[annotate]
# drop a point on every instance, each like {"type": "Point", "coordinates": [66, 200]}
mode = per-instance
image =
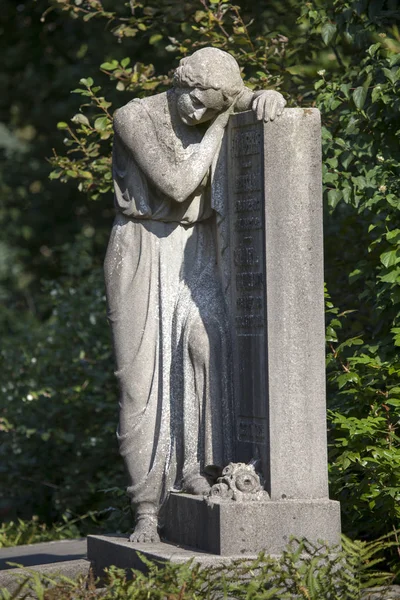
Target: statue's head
{"type": "Point", "coordinates": [207, 82]}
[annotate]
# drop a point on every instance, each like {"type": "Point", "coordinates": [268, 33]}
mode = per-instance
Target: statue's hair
{"type": "Point", "coordinates": [210, 68]}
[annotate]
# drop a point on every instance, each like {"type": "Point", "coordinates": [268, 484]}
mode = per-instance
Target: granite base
{"type": "Point", "coordinates": [106, 550]}
{"type": "Point", "coordinates": [229, 528]}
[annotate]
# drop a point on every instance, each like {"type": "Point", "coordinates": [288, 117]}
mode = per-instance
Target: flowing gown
{"type": "Point", "coordinates": [169, 323]}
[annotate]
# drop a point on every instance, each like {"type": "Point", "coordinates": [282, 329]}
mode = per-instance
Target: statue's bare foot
{"type": "Point", "coordinates": [145, 531]}
{"type": "Point", "coordinates": [197, 486]}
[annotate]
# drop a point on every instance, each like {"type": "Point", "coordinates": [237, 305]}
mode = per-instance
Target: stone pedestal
{"type": "Point", "coordinates": [106, 550]}
{"type": "Point", "coordinates": [229, 528]}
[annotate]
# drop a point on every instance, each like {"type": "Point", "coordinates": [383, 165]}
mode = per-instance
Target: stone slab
{"type": "Point", "coordinates": [106, 550]}
{"type": "Point", "coordinates": [29, 555]}
{"type": "Point", "coordinates": [232, 528]}
{"type": "Point", "coordinates": [391, 592]}
{"type": "Point", "coordinates": [11, 578]}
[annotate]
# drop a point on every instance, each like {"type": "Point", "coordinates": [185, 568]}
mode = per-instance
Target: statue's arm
{"type": "Point", "coordinates": [178, 181]}
{"type": "Point", "coordinates": [266, 104]}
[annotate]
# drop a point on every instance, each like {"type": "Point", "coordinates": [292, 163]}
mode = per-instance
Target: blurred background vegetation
{"type": "Point", "coordinates": [59, 462]}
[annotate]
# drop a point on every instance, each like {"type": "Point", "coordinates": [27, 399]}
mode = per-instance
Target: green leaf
{"type": "Point", "coordinates": [359, 97]}
{"type": "Point", "coordinates": [346, 158]}
{"type": "Point", "coordinates": [125, 62]}
{"type": "Point", "coordinates": [390, 277]}
{"type": "Point", "coordinates": [154, 39]}
{"type": "Point", "coordinates": [199, 15]}
{"type": "Point", "coordinates": [101, 123]}
{"type": "Point", "coordinates": [347, 194]}
{"type": "Point", "coordinates": [62, 125]}
{"type": "Point", "coordinates": [388, 259]}
{"type": "Point", "coordinates": [331, 335]}
{"type": "Point", "coordinates": [89, 16]}
{"type": "Point", "coordinates": [346, 463]}
{"type": "Point", "coordinates": [129, 31]}
{"type": "Point", "coordinates": [81, 92]}
{"type": "Point", "coordinates": [348, 37]}
{"type": "Point", "coordinates": [392, 74]}
{"type": "Point", "coordinates": [328, 32]}
{"type": "Point", "coordinates": [376, 93]}
{"type": "Point", "coordinates": [109, 66]}
{"type": "Point", "coordinates": [334, 196]}
{"type": "Point", "coordinates": [88, 82]}
{"type": "Point", "coordinates": [372, 50]}
{"type": "Point", "coordinates": [347, 378]}
{"type": "Point", "coordinates": [393, 236]}
{"type": "Point", "coordinates": [86, 174]}
{"type": "Point", "coordinates": [355, 275]}
{"type": "Point", "coordinates": [345, 88]}
{"type": "Point", "coordinates": [81, 119]}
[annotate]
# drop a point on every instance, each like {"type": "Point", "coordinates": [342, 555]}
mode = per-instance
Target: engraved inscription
{"type": "Point", "coordinates": [249, 303]}
{"type": "Point", "coordinates": [248, 182]}
{"type": "Point", "coordinates": [246, 223]}
{"type": "Point", "coordinates": [252, 430]}
{"type": "Point", "coordinates": [245, 256]}
{"type": "Point", "coordinates": [247, 204]}
{"type": "Point", "coordinates": [249, 281]}
{"type": "Point", "coordinates": [246, 142]}
{"type": "Point", "coordinates": [249, 321]}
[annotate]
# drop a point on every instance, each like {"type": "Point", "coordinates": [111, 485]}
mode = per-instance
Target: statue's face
{"type": "Point", "coordinates": [197, 106]}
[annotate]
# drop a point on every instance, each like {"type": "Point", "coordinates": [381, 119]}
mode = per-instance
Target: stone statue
{"type": "Point", "coordinates": [165, 301]}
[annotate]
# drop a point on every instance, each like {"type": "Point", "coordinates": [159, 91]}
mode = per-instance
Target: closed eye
{"type": "Point", "coordinates": [196, 102]}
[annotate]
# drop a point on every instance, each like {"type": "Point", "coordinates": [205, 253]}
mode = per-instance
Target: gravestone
{"type": "Point", "coordinates": [277, 302]}
{"type": "Point", "coordinates": [188, 173]}
{"type": "Point", "coordinates": [271, 180]}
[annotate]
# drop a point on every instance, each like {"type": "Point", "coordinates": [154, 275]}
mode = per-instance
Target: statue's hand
{"type": "Point", "coordinates": [268, 105]}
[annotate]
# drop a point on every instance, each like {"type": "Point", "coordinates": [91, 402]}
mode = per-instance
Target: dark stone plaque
{"type": "Point", "coordinates": [275, 297]}
{"type": "Point", "coordinates": [245, 160]}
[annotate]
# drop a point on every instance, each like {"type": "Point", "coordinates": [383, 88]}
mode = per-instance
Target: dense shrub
{"type": "Point", "coordinates": [60, 409]}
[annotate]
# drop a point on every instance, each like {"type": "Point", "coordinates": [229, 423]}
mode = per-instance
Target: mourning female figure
{"type": "Point", "coordinates": [164, 293]}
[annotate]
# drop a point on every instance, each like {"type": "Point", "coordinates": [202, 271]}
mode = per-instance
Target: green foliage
{"type": "Point", "coordinates": [304, 571]}
{"type": "Point", "coordinates": [92, 166]}
{"type": "Point", "coordinates": [361, 175]}
{"type": "Point", "coordinates": [31, 532]}
{"type": "Point", "coordinates": [59, 415]}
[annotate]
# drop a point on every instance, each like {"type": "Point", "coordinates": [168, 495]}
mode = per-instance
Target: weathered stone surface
{"type": "Point", "coordinates": [216, 235]}
{"type": "Point", "coordinates": [391, 592]}
{"type": "Point", "coordinates": [230, 528]}
{"type": "Point", "coordinates": [29, 555]}
{"type": "Point", "coordinates": [64, 557]}
{"type": "Point", "coordinates": [166, 304]}
{"type": "Point", "coordinates": [238, 482]}
{"type": "Point", "coordinates": [10, 578]}
{"type": "Point", "coordinates": [277, 307]}
{"type": "Point", "coordinates": [106, 550]}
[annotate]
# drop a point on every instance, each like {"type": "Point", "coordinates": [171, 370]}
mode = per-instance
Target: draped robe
{"type": "Point", "coordinates": [169, 320]}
